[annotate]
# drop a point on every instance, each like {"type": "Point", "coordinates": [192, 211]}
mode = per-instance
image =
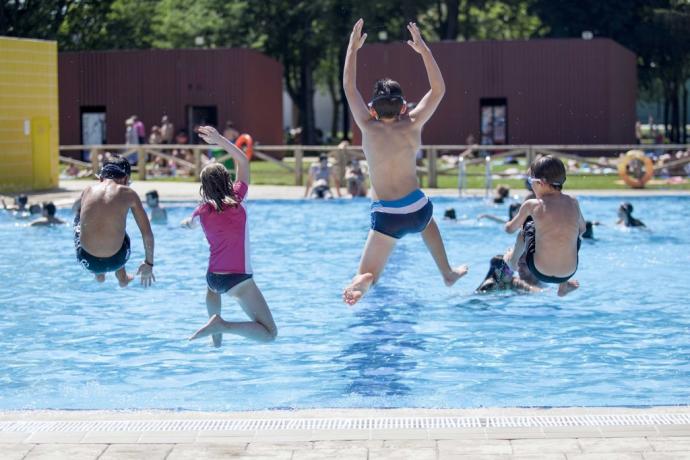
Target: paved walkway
{"type": "Point", "coordinates": [69, 190]}
{"type": "Point", "coordinates": [491, 434]}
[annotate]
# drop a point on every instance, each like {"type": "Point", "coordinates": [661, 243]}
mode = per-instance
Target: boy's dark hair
{"type": "Point", "coordinates": [153, 194]}
{"type": "Point", "coordinates": [550, 169]}
{"type": "Point", "coordinates": [22, 200]}
{"type": "Point", "coordinates": [116, 168]}
{"type": "Point", "coordinates": [50, 208]}
{"type": "Point", "coordinates": [387, 98]}
{"type": "Point", "coordinates": [627, 207]}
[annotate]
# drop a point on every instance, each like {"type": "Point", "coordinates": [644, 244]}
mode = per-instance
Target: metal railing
{"type": "Point", "coordinates": [457, 158]}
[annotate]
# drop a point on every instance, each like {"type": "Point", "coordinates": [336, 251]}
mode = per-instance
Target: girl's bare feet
{"type": "Point", "coordinates": [358, 287]}
{"type": "Point", "coordinates": [214, 326]}
{"type": "Point", "coordinates": [567, 287]}
{"type": "Point", "coordinates": [455, 274]}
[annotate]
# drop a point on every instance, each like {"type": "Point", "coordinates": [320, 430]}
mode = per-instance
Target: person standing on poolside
{"type": "Point", "coordinates": [223, 217]}
{"type": "Point", "coordinates": [390, 138]}
{"type": "Point", "coordinates": [100, 236]}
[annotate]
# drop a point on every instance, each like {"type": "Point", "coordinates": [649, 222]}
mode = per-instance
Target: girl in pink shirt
{"type": "Point", "coordinates": [223, 217]}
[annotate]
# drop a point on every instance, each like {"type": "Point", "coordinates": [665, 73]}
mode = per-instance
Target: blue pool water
{"type": "Point", "coordinates": [623, 339]}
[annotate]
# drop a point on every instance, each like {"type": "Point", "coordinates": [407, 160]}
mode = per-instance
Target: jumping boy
{"type": "Point", "coordinates": [551, 227]}
{"type": "Point", "coordinates": [390, 139]}
{"type": "Point", "coordinates": [100, 236]}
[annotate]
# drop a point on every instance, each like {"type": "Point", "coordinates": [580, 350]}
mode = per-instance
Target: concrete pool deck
{"type": "Point", "coordinates": [654, 433]}
{"type": "Point", "coordinates": [70, 190]}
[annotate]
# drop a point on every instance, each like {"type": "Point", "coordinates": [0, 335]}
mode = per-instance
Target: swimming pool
{"type": "Point", "coordinates": [622, 339]}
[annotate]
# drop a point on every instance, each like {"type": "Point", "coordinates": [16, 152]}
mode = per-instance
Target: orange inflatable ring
{"type": "Point", "coordinates": [245, 140]}
{"type": "Point", "coordinates": [635, 155]}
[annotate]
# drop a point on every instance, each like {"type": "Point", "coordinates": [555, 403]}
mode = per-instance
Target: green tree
{"type": "Point", "coordinates": [33, 18]}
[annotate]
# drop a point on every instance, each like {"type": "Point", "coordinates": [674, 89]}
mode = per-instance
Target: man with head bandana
{"type": "Point", "coordinates": [100, 236]}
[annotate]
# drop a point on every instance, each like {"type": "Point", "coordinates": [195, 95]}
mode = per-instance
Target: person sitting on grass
{"type": "Point", "coordinates": [48, 218]}
{"type": "Point", "coordinates": [100, 236]}
{"type": "Point", "coordinates": [319, 180]}
{"type": "Point", "coordinates": [551, 227]}
{"type": "Point", "coordinates": [158, 213]}
{"type": "Point", "coordinates": [356, 179]}
{"type": "Point", "coordinates": [625, 217]}
{"type": "Point", "coordinates": [500, 278]}
{"type": "Point", "coordinates": [223, 217]}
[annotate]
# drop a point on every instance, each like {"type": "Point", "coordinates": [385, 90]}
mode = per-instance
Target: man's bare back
{"type": "Point", "coordinates": [104, 209]}
{"type": "Point", "coordinates": [100, 236]}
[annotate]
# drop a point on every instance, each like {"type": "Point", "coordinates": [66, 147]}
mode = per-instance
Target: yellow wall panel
{"type": "Point", "coordinates": [28, 114]}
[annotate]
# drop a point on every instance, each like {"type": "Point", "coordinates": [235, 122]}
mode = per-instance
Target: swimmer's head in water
{"type": "Point", "coordinates": [152, 198]}
{"type": "Point", "coordinates": [589, 230]}
{"type": "Point", "coordinates": [387, 101]}
{"type": "Point", "coordinates": [513, 210]}
{"type": "Point", "coordinates": [450, 214]}
{"type": "Point", "coordinates": [49, 209]}
{"type": "Point", "coordinates": [499, 270]}
{"type": "Point", "coordinates": [116, 168]}
{"type": "Point", "coordinates": [626, 208]}
{"type": "Point", "coordinates": [549, 171]}
{"type": "Point", "coordinates": [35, 209]}
{"type": "Point", "coordinates": [216, 187]}
{"type": "Point", "coordinates": [21, 200]}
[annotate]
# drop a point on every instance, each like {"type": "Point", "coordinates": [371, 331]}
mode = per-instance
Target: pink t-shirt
{"type": "Point", "coordinates": [227, 234]}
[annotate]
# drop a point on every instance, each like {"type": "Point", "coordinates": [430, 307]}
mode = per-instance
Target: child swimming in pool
{"type": "Point", "coordinates": [500, 278]}
{"type": "Point", "coordinates": [48, 218]}
{"type": "Point", "coordinates": [100, 236]}
{"type": "Point", "coordinates": [551, 228]}
{"type": "Point", "coordinates": [158, 213]}
{"type": "Point", "coordinates": [391, 137]}
{"type": "Point", "coordinates": [223, 217]}
{"type": "Point", "coordinates": [625, 217]}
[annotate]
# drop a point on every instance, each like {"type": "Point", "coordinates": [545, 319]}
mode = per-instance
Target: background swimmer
{"type": "Point", "coordinates": [500, 277]}
{"type": "Point", "coordinates": [48, 218]}
{"type": "Point", "coordinates": [625, 217]}
{"type": "Point", "coordinates": [158, 213]}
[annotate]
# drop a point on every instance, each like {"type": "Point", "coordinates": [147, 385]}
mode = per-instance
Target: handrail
{"type": "Point", "coordinates": [431, 170]}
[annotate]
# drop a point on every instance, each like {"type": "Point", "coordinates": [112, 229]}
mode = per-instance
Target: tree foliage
{"type": "Point", "coordinates": [309, 37]}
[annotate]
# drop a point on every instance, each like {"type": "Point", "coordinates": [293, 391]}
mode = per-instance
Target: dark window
{"type": "Point", "coordinates": [494, 121]}
{"type": "Point", "coordinates": [93, 128]}
{"type": "Point", "coordinates": [199, 116]}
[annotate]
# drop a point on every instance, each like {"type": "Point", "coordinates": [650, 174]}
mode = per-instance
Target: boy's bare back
{"type": "Point", "coordinates": [390, 149]}
{"type": "Point", "coordinates": [557, 220]}
{"type": "Point", "coordinates": [104, 209]}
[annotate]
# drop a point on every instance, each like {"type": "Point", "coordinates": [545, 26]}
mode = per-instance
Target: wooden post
{"type": "Point", "coordinates": [95, 165]}
{"type": "Point", "coordinates": [342, 163]}
{"type": "Point", "coordinates": [461, 174]}
{"type": "Point", "coordinates": [141, 162]}
{"type": "Point", "coordinates": [298, 167]}
{"type": "Point", "coordinates": [433, 171]}
{"type": "Point", "coordinates": [487, 177]}
{"type": "Point", "coordinates": [530, 156]}
{"type": "Point", "coordinates": [197, 165]}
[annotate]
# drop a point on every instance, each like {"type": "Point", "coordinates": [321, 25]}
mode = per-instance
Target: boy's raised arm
{"type": "Point", "coordinates": [213, 137]}
{"type": "Point", "coordinates": [359, 109]}
{"type": "Point", "coordinates": [427, 106]}
{"type": "Point", "coordinates": [516, 222]}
